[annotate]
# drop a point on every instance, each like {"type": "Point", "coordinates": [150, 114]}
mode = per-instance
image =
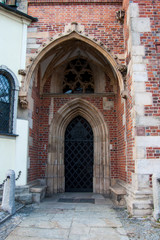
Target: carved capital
{"type": "Point", "coordinates": [22, 72]}
{"type": "Point", "coordinates": [120, 16]}
{"type": "Point", "coordinates": [124, 94]}
{"type": "Point", "coordinates": [23, 102]}
{"type": "Point", "coordinates": [123, 69]}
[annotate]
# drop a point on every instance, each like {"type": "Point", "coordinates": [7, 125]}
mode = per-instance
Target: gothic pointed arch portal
{"type": "Point", "coordinates": [55, 166]}
{"type": "Point", "coordinates": [57, 49]}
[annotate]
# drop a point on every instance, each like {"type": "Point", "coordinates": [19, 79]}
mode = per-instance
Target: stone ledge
{"type": "Point", "coordinates": [117, 189]}
{"type": "Point", "coordinates": [118, 194]}
{"type": "Point", "coordinates": [38, 190]}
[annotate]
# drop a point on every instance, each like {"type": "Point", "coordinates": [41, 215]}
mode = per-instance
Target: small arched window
{"type": "Point", "coordinates": [7, 90]}
{"type": "Point", "coordinates": [78, 77]}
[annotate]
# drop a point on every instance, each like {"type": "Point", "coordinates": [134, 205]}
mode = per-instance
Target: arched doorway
{"type": "Point", "coordinates": [56, 161]}
{"type": "Point", "coordinates": [78, 157]}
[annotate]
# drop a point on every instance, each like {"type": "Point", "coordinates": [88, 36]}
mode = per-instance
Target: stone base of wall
{"type": "Point", "coordinates": [139, 195]}
{"type": "Point", "coordinates": [140, 203]}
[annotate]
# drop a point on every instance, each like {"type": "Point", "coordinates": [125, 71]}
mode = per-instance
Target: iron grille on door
{"type": "Point", "coordinates": [79, 156]}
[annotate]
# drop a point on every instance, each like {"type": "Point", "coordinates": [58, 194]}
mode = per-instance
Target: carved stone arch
{"type": "Point", "coordinates": [53, 45]}
{"type": "Point", "coordinates": [55, 167]}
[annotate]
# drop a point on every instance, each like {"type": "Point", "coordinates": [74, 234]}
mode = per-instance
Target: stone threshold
{"type": "Point", "coordinates": [76, 200]}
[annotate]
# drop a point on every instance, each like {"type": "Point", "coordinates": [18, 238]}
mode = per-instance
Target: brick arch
{"type": "Point", "coordinates": [63, 39]}
{"type": "Point", "coordinates": [55, 167]}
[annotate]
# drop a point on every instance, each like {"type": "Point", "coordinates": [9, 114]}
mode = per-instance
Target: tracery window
{"type": "Point", "coordinates": [6, 102]}
{"type": "Point", "coordinates": [78, 77]}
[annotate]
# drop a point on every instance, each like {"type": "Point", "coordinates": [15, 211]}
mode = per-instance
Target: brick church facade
{"type": "Point", "coordinates": [92, 75]}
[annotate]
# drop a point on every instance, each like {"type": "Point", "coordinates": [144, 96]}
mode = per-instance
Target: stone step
{"type": "Point", "coordinates": [38, 190]}
{"type": "Point", "coordinates": [25, 198]}
{"type": "Point", "coordinates": [33, 192]}
{"type": "Point", "coordinates": [18, 190]}
{"type": "Point", "coordinates": [38, 193]}
{"type": "Point", "coordinates": [22, 189]}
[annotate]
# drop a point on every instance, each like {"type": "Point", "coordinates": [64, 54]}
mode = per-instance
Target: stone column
{"type": "Point", "coordinates": [156, 195]}
{"type": "Point", "coordinates": [8, 201]}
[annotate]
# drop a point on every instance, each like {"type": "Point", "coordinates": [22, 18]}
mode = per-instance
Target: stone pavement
{"type": "Point", "coordinates": [67, 217]}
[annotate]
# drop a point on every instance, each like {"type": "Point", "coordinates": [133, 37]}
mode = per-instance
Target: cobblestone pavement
{"type": "Point", "coordinates": [6, 215]}
{"type": "Point", "coordinates": [78, 221]}
{"type": "Point", "coordinates": [144, 228]}
{"type": "Point", "coordinates": [9, 225]}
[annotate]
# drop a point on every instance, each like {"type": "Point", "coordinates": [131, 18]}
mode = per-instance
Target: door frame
{"type": "Point", "coordinates": [55, 165]}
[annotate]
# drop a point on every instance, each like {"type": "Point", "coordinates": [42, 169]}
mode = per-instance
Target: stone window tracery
{"type": "Point", "coordinates": [78, 77]}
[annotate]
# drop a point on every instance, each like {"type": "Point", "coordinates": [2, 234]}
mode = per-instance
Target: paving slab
{"type": "Point", "coordinates": [105, 233]}
{"type": "Point", "coordinates": [71, 221]}
{"type": "Point", "coordinates": [40, 232]}
{"type": "Point", "coordinates": [11, 237]}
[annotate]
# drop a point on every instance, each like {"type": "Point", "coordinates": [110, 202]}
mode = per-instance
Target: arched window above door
{"type": "Point", "coordinates": [78, 77]}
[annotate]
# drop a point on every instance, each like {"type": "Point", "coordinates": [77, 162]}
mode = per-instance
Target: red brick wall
{"type": "Point", "coordinates": [109, 115]}
{"type": "Point", "coordinates": [129, 103]}
{"type": "Point", "coordinates": [99, 20]}
{"type": "Point", "coordinates": [33, 171]}
{"type": "Point", "coordinates": [153, 152]}
{"type": "Point", "coordinates": [121, 138]}
{"type": "Point", "coordinates": [39, 151]}
{"type": "Point", "coordinates": [151, 41]}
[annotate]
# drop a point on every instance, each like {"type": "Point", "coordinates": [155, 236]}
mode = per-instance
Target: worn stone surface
{"type": "Point", "coordinates": [24, 198]}
{"type": "Point", "coordinates": [35, 34]}
{"type": "Point", "coordinates": [54, 215]}
{"type": "Point", "coordinates": [134, 10]}
{"type": "Point", "coordinates": [143, 98]}
{"type": "Point", "coordinates": [148, 141]}
{"type": "Point", "coordinates": [140, 77]}
{"type": "Point", "coordinates": [148, 166]}
{"type": "Point", "coordinates": [138, 51]}
{"type": "Point", "coordinates": [79, 221]}
{"type": "Point", "coordinates": [107, 105]}
{"type": "Point", "coordinates": [141, 24]}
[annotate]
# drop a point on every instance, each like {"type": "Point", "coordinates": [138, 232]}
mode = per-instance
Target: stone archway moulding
{"type": "Point", "coordinates": [46, 48]}
{"type": "Point", "coordinates": [55, 166]}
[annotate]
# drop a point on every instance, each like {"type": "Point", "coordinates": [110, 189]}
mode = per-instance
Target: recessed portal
{"type": "Point", "coordinates": [79, 156]}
